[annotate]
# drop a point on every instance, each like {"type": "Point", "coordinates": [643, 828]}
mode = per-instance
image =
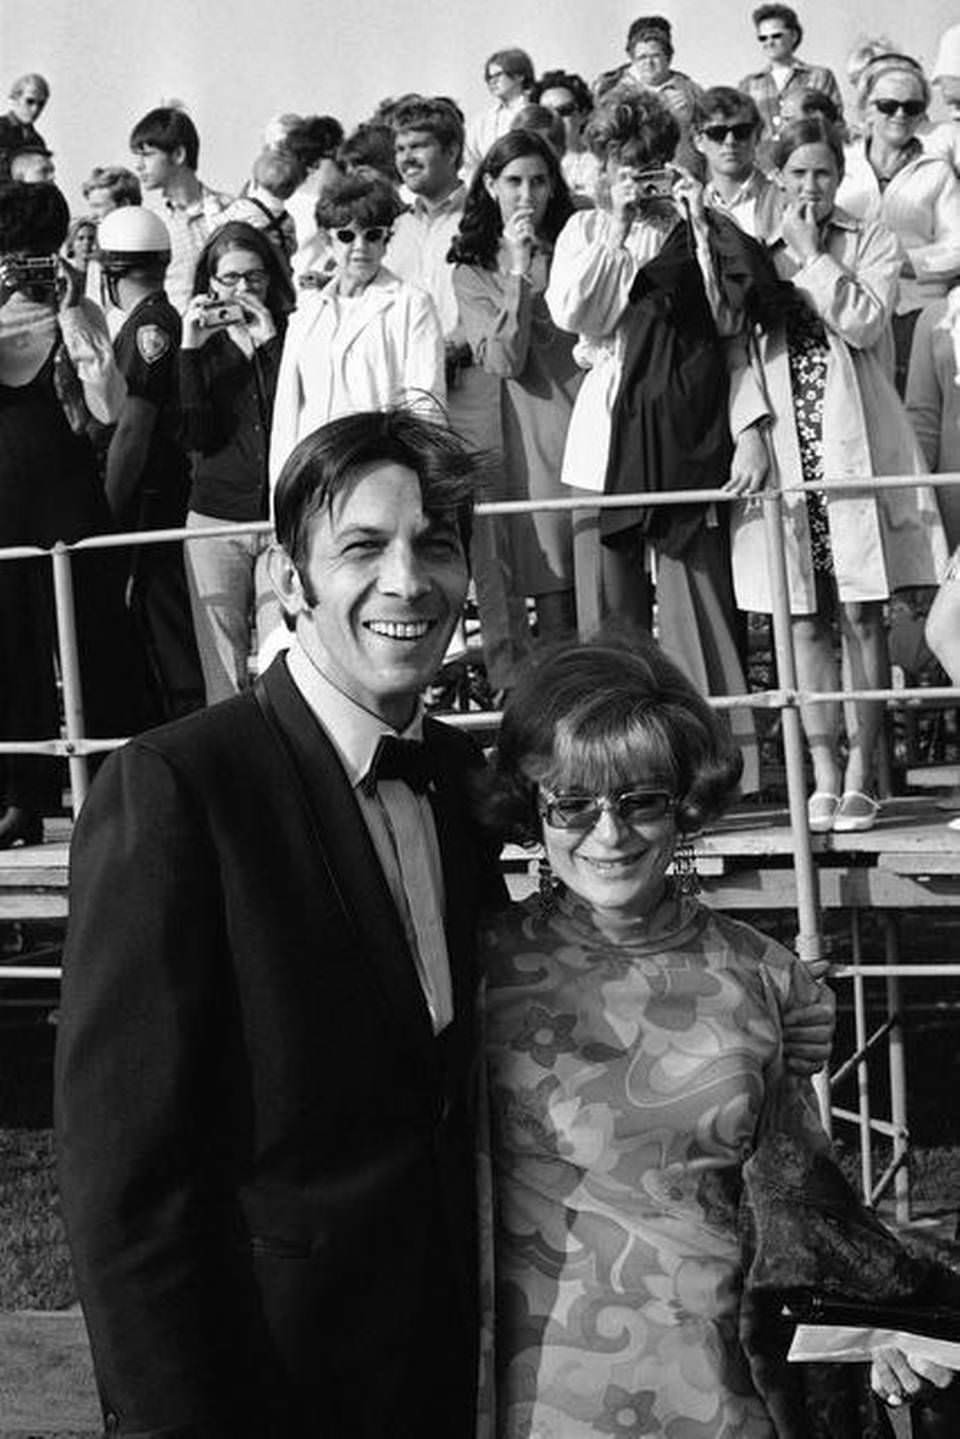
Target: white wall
{"type": "Point", "coordinates": [235, 64]}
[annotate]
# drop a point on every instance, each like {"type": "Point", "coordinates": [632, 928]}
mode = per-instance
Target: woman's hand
{"type": "Point", "coordinates": [71, 284]}
{"type": "Point", "coordinates": [519, 237]}
{"type": "Point", "coordinates": [800, 230]}
{"type": "Point", "coordinates": [259, 321]}
{"type": "Point", "coordinates": [688, 193]}
{"type": "Point", "coordinates": [624, 201]}
{"type": "Point", "coordinates": [898, 1380]}
{"type": "Point", "coordinates": [750, 464]}
{"type": "Point", "coordinates": [195, 333]}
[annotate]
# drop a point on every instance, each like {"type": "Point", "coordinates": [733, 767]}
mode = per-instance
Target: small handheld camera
{"type": "Point", "coordinates": [32, 272]}
{"type": "Point", "coordinates": [655, 185]}
{"type": "Point", "coordinates": [217, 313]}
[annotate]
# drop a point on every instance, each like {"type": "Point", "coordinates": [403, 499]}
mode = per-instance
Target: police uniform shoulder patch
{"type": "Point", "coordinates": [153, 342]}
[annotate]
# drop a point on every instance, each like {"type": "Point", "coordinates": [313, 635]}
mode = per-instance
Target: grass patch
{"type": "Point", "coordinates": [35, 1270]}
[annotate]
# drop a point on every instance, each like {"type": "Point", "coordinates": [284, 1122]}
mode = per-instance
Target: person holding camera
{"type": "Point", "coordinates": [146, 472]}
{"type": "Point", "coordinates": [233, 332]}
{"type": "Point", "coordinates": [639, 280]}
{"type": "Point", "coordinates": [57, 374]}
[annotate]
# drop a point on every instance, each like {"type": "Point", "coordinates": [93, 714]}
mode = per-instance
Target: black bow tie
{"type": "Point", "coordinates": [404, 759]}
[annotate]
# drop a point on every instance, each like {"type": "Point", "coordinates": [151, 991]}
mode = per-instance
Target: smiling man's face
{"type": "Point", "coordinates": [382, 591]}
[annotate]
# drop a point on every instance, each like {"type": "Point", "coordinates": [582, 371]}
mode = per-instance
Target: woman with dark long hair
{"type": "Point", "coordinates": [233, 332]}
{"type": "Point", "coordinates": [517, 205]}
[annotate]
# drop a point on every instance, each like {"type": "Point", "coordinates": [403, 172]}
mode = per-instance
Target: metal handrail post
{"type": "Point", "coordinates": [809, 942]}
{"type": "Point", "coordinates": [70, 671]}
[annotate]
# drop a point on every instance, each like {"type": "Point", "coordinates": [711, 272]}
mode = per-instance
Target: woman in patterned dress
{"type": "Point", "coordinates": [820, 382]}
{"type": "Point", "coordinates": [631, 1036]}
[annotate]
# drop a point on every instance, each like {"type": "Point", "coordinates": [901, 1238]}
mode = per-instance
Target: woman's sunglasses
{"type": "Point", "coordinates": [575, 810]}
{"type": "Point", "coordinates": [911, 108]}
{"type": "Point", "coordinates": [718, 133]}
{"type": "Point", "coordinates": [373, 234]}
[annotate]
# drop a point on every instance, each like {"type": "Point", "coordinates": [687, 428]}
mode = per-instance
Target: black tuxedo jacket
{"type": "Point", "coordinates": [266, 1157]}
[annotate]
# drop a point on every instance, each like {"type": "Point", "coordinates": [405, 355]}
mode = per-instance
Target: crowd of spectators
{"type": "Point", "coordinates": [639, 284]}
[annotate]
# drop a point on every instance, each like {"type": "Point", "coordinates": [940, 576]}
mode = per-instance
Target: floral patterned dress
{"type": "Point", "coordinates": [627, 1076]}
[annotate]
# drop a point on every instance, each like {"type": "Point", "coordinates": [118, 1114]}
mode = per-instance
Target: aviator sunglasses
{"type": "Point", "coordinates": [911, 108]}
{"type": "Point", "coordinates": [718, 133]}
{"type": "Point", "coordinates": [373, 234]}
{"type": "Point", "coordinates": [573, 810]}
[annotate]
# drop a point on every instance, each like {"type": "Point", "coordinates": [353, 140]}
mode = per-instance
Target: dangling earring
{"type": "Point", "coordinates": [548, 887]}
{"type": "Point", "coordinates": [686, 877]}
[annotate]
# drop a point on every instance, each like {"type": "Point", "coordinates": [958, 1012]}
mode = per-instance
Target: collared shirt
{"type": "Point", "coordinates": [190, 227]}
{"type": "Point", "coordinates": [768, 96]}
{"type": "Point", "coordinates": [418, 253]}
{"type": "Point", "coordinates": [488, 126]}
{"type": "Point", "coordinates": [755, 206]}
{"type": "Point", "coordinates": [400, 823]}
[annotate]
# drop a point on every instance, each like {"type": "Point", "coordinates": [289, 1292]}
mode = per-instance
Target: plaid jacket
{"type": "Point", "coordinates": [763, 91]}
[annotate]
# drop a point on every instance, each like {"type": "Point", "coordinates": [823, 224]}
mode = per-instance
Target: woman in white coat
{"type": "Point", "coordinates": [821, 386]}
{"type": "Point", "coordinates": [365, 340]}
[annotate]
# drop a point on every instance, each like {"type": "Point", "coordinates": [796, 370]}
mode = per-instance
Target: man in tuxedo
{"type": "Point", "coordinates": [266, 1061]}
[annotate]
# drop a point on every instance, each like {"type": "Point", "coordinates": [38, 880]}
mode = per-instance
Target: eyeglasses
{"type": "Point", "coordinates": [565, 110]}
{"type": "Point", "coordinates": [492, 75]}
{"type": "Point", "coordinates": [772, 35]}
{"type": "Point", "coordinates": [718, 133]}
{"type": "Point", "coordinates": [256, 279]}
{"type": "Point", "coordinates": [636, 807]}
{"type": "Point", "coordinates": [373, 234]}
{"type": "Point", "coordinates": [910, 108]}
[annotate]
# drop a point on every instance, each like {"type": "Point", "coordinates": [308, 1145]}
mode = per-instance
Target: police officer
{"type": "Point", "coordinates": [147, 480]}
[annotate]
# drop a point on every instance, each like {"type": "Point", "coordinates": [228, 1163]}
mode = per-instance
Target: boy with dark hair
{"type": "Point", "coordinates": [166, 148]}
{"type": "Point", "coordinates": [726, 129]}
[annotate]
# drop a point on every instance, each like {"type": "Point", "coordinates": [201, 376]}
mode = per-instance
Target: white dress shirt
{"type": "Point", "coordinates": [401, 826]}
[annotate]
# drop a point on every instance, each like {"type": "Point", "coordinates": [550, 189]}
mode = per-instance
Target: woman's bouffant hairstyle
{"type": "Point", "coordinates": [890, 63]}
{"type": "Point", "coordinates": [633, 127]}
{"type": "Point", "coordinates": [238, 235]}
{"type": "Point", "coordinates": [369, 147]}
{"type": "Point", "coordinates": [34, 218]}
{"type": "Point", "coordinates": [784, 14]}
{"type": "Point", "coordinates": [564, 80]}
{"type": "Point", "coordinates": [367, 198]}
{"type": "Point", "coordinates": [599, 717]}
{"type": "Point", "coordinates": [122, 184]}
{"type": "Point", "coordinates": [478, 239]}
{"type": "Point", "coordinates": [808, 130]}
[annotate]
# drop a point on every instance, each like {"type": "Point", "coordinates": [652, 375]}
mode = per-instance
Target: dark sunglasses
{"type": "Point", "coordinates": [718, 133]}
{"type": "Point", "coordinates": [772, 35]}
{"type": "Point", "coordinates": [572, 810]}
{"type": "Point", "coordinates": [911, 108]}
{"type": "Point", "coordinates": [565, 110]}
{"type": "Point", "coordinates": [373, 235]}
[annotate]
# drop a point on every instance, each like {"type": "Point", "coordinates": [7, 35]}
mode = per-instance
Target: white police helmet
{"type": "Point", "coordinates": [131, 238]}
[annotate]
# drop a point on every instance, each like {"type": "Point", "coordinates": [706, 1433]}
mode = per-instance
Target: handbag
{"type": "Point", "coordinates": [812, 1249]}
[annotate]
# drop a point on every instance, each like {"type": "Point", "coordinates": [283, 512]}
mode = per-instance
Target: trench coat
{"type": "Point", "coordinates": [880, 542]}
{"type": "Point", "coordinates": [385, 348]}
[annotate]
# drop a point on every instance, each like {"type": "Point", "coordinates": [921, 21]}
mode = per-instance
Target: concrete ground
{"type": "Point", "coordinates": [46, 1379]}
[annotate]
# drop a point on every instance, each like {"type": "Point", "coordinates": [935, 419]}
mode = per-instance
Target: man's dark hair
{"type": "Point", "coordinates": [34, 218]}
{"type": "Point", "coordinates": [167, 128]}
{"type": "Point", "coordinates": [784, 14]}
{"type": "Point", "coordinates": [370, 147]}
{"type": "Point", "coordinates": [564, 80]}
{"type": "Point", "coordinates": [513, 62]}
{"type": "Point", "coordinates": [326, 463]}
{"type": "Point", "coordinates": [314, 138]}
{"type": "Point", "coordinates": [434, 115]}
{"type": "Point", "coordinates": [725, 101]}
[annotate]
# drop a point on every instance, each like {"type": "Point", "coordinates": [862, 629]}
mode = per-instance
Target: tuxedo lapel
{"type": "Point", "coordinates": [347, 853]}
